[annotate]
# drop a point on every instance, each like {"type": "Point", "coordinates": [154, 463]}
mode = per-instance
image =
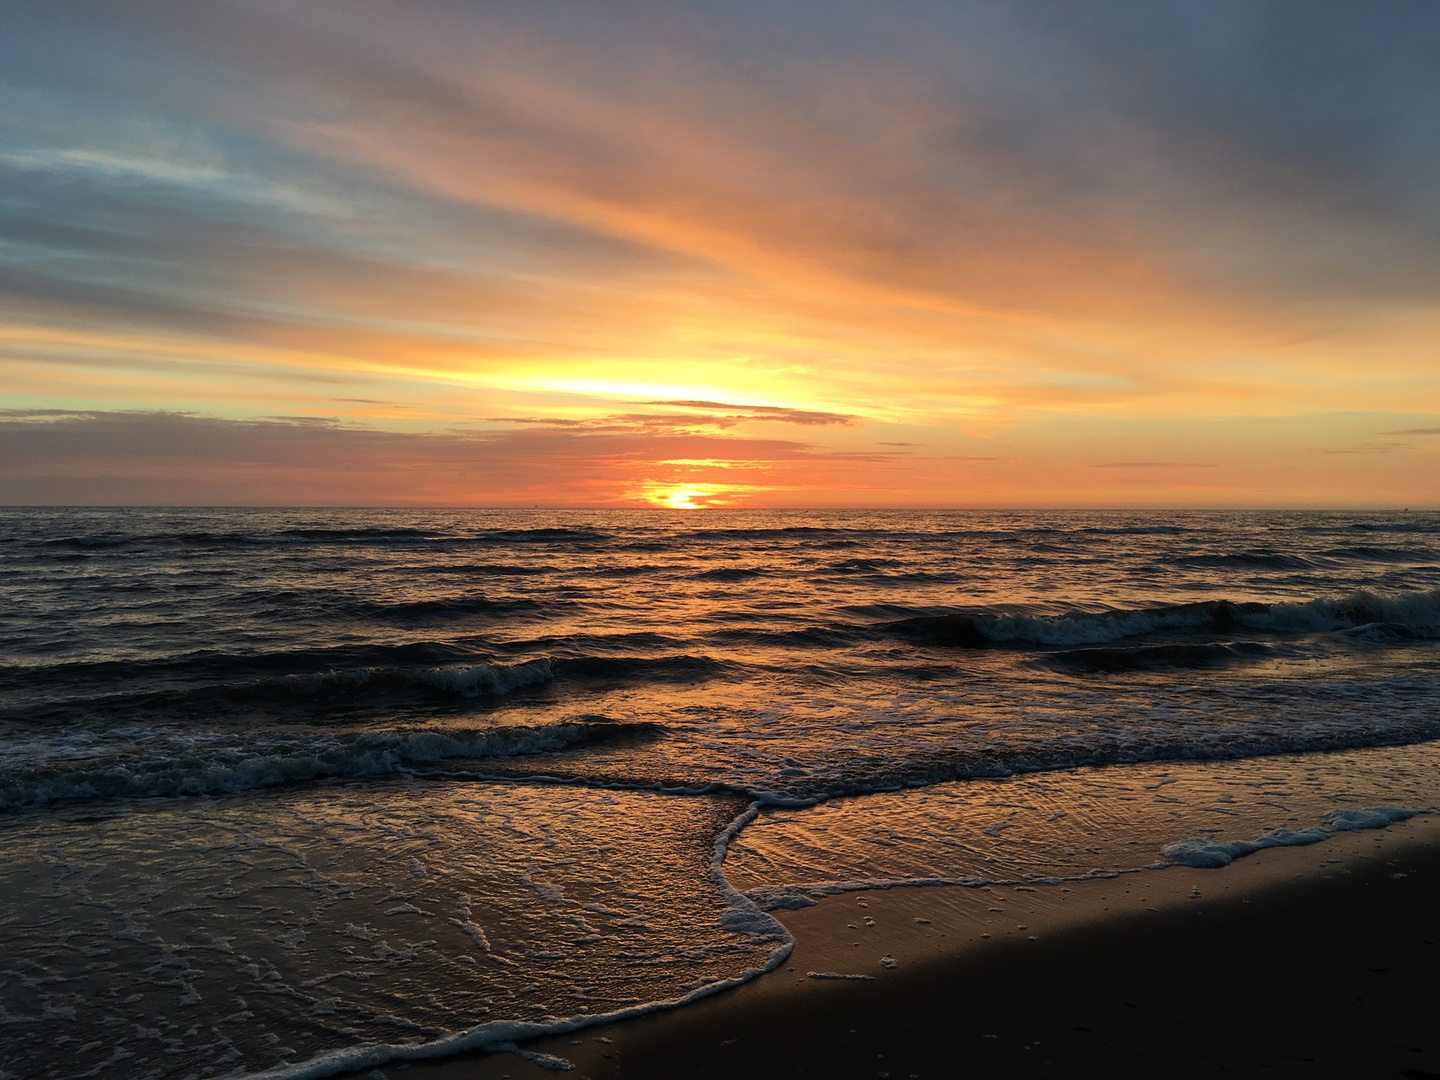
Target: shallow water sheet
{"type": "Point", "coordinates": [205, 937]}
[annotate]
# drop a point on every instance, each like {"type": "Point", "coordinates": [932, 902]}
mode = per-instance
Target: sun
{"type": "Point", "coordinates": [683, 499]}
{"type": "Point", "coordinates": [696, 495]}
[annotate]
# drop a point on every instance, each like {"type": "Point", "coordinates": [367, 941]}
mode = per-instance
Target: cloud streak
{"type": "Point", "coordinates": [52, 456]}
{"type": "Point", "coordinates": [158, 457]}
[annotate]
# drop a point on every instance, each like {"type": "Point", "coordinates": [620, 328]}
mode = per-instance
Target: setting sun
{"type": "Point", "coordinates": [683, 499]}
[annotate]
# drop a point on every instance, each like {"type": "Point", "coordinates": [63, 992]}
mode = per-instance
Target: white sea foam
{"type": "Point", "coordinates": [1416, 612]}
{"type": "Point", "coordinates": [1088, 628]}
{"type": "Point", "coordinates": [1202, 852]}
{"type": "Point", "coordinates": [1369, 817]}
{"type": "Point", "coordinates": [1208, 853]}
{"type": "Point", "coordinates": [793, 897]}
{"type": "Point", "coordinates": [545, 1061]}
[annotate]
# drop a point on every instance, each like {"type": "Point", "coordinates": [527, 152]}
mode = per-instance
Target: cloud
{"type": "Point", "coordinates": [720, 419]}
{"type": "Point", "coordinates": [49, 456]}
{"type": "Point", "coordinates": [1030, 193]}
{"type": "Point", "coordinates": [770, 413]}
{"type": "Point", "coordinates": [1155, 465]}
{"type": "Point", "coordinates": [1369, 448]}
{"type": "Point", "coordinates": [54, 456]}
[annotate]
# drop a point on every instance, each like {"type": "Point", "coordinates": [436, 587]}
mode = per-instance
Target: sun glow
{"type": "Point", "coordinates": [692, 496]}
{"type": "Point", "coordinates": [683, 499]}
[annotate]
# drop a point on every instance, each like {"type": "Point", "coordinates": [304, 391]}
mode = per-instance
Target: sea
{"type": "Point", "coordinates": [300, 792]}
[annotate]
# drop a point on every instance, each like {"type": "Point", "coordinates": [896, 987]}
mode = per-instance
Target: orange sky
{"type": "Point", "coordinates": [684, 256]}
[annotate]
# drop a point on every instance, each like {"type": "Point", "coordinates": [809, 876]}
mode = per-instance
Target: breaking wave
{"type": "Point", "coordinates": [149, 763]}
{"type": "Point", "coordinates": [1416, 613]}
{"type": "Point", "coordinates": [221, 680]}
{"type": "Point", "coordinates": [464, 680]}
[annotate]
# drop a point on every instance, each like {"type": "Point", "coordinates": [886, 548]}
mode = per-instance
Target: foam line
{"type": "Point", "coordinates": [1208, 853]}
{"type": "Point", "coordinates": [1202, 852]}
{"type": "Point", "coordinates": [793, 897]}
{"type": "Point", "coordinates": [1369, 817]}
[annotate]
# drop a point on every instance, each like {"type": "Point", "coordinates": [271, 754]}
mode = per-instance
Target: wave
{"type": "Point", "coordinates": [787, 781]}
{"type": "Point", "coordinates": [307, 536]}
{"type": "Point", "coordinates": [113, 694]}
{"type": "Point", "coordinates": [465, 680]}
{"type": "Point", "coordinates": [414, 612]}
{"type": "Point", "coordinates": [150, 763]}
{"type": "Point", "coordinates": [1416, 613]}
{"type": "Point", "coordinates": [211, 664]}
{"type": "Point", "coordinates": [352, 535]}
{"type": "Point", "coordinates": [1373, 553]}
{"type": "Point", "coordinates": [819, 637]}
{"type": "Point", "coordinates": [546, 534]}
{"type": "Point", "coordinates": [421, 663]}
{"type": "Point", "coordinates": [316, 686]}
{"type": "Point", "coordinates": [863, 566]}
{"type": "Point", "coordinates": [209, 539]}
{"type": "Point", "coordinates": [1264, 560]}
{"type": "Point", "coordinates": [1146, 744]}
{"type": "Point", "coordinates": [1151, 657]}
{"type": "Point", "coordinates": [1071, 628]}
{"type": "Point", "coordinates": [729, 573]}
{"type": "Point", "coordinates": [86, 543]}
{"type": "Point", "coordinates": [500, 569]}
{"type": "Point", "coordinates": [1131, 530]}
{"type": "Point", "coordinates": [780, 532]}
{"type": "Point", "coordinates": [1395, 526]}
{"type": "Point", "coordinates": [300, 606]}
{"type": "Point", "coordinates": [676, 668]}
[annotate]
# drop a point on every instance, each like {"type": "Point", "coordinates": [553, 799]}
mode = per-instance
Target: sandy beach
{"type": "Point", "coordinates": [1320, 961]}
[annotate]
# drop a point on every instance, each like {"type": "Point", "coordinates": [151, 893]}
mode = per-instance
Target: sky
{"type": "Point", "coordinates": [720, 254]}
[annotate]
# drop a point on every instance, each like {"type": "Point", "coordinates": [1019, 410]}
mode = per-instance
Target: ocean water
{"type": "Point", "coordinates": [291, 792]}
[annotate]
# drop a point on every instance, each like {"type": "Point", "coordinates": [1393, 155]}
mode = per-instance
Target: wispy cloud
{"type": "Point", "coordinates": [1155, 465]}
{"type": "Point", "coordinates": [769, 413]}
{"type": "Point", "coordinates": [716, 417]}
{"type": "Point", "coordinates": [90, 456]}
{"type": "Point", "coordinates": [1368, 448]}
{"type": "Point", "coordinates": [50, 455]}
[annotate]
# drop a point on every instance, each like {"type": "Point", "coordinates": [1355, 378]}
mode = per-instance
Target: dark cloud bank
{"type": "Point", "coordinates": [54, 457]}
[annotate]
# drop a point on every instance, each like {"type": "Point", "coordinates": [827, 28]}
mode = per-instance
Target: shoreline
{"type": "Point", "coordinates": [1308, 961]}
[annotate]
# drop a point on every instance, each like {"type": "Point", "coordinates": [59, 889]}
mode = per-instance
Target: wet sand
{"type": "Point", "coordinates": [1321, 961]}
